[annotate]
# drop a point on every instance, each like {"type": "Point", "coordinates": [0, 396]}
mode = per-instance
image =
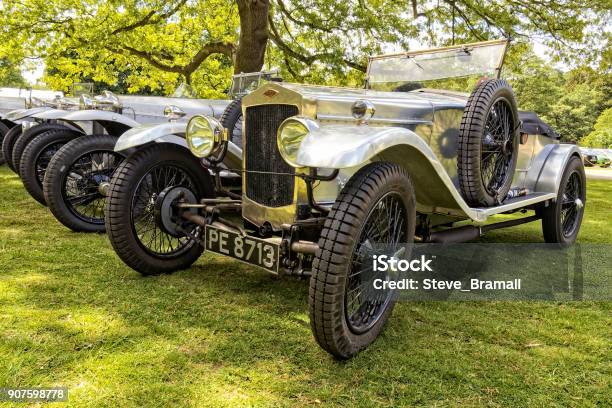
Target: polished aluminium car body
{"type": "Point", "coordinates": [129, 112]}
{"type": "Point", "coordinates": [174, 130]}
{"type": "Point", "coordinates": [411, 129]}
{"type": "Point", "coordinates": [417, 130]}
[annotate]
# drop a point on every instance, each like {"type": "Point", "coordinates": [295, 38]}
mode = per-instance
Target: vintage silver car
{"type": "Point", "coordinates": [330, 173]}
{"type": "Point", "coordinates": [77, 176]}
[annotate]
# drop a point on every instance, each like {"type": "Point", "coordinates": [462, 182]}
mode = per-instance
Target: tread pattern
{"type": "Point", "coordinates": [118, 208]}
{"type": "Point", "coordinates": [27, 168]}
{"type": "Point", "coordinates": [3, 130]}
{"type": "Point", "coordinates": [330, 266]}
{"type": "Point", "coordinates": [471, 132]}
{"type": "Point", "coordinates": [551, 218]}
{"type": "Point", "coordinates": [56, 174]}
{"type": "Point", "coordinates": [7, 145]}
{"type": "Point", "coordinates": [29, 135]}
{"type": "Point", "coordinates": [231, 115]}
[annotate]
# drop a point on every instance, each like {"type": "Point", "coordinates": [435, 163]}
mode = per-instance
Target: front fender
{"type": "Point", "coordinates": [24, 113]}
{"type": "Point", "coordinates": [170, 132]}
{"type": "Point", "coordinates": [51, 114]}
{"type": "Point", "coordinates": [340, 147]}
{"type": "Point", "coordinates": [173, 132]}
{"type": "Point", "coordinates": [114, 123]}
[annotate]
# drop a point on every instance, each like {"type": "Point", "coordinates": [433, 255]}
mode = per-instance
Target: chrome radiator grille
{"type": "Point", "coordinates": [261, 155]}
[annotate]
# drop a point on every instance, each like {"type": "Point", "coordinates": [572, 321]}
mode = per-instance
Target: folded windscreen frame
{"type": "Point", "coordinates": [482, 59]}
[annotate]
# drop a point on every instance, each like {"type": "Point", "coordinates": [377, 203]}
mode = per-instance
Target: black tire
{"type": "Point", "coordinates": [3, 130]}
{"type": "Point", "coordinates": [36, 157]}
{"type": "Point", "coordinates": [123, 212]}
{"type": "Point", "coordinates": [7, 145]}
{"type": "Point", "coordinates": [561, 220]}
{"type": "Point", "coordinates": [485, 147]}
{"type": "Point", "coordinates": [29, 135]}
{"type": "Point", "coordinates": [72, 181]}
{"type": "Point", "coordinates": [341, 237]}
{"type": "Point", "coordinates": [231, 119]}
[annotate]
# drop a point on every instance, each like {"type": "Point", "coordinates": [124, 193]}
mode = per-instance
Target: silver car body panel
{"type": "Point", "coordinates": [169, 132]}
{"type": "Point", "coordinates": [418, 130]}
{"type": "Point", "coordinates": [95, 115]}
{"type": "Point", "coordinates": [22, 114]}
{"type": "Point", "coordinates": [344, 147]}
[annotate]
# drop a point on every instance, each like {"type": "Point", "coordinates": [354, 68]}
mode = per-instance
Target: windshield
{"type": "Point", "coordinates": [442, 63]}
{"type": "Point", "coordinates": [243, 84]}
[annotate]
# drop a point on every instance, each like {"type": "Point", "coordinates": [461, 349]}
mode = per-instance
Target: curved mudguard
{"type": "Point", "coordinates": [21, 114]}
{"type": "Point", "coordinates": [353, 146]}
{"type": "Point", "coordinates": [51, 114]}
{"type": "Point", "coordinates": [546, 170]}
{"type": "Point", "coordinates": [170, 132]}
{"type": "Point", "coordinates": [114, 123]}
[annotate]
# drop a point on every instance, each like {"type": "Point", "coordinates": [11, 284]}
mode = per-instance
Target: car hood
{"type": "Point", "coordinates": [391, 108]}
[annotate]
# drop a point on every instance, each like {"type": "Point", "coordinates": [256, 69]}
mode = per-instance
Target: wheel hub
{"type": "Point", "coordinates": [167, 214]}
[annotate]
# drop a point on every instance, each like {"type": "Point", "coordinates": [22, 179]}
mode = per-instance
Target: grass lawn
{"type": "Point", "coordinates": [225, 334]}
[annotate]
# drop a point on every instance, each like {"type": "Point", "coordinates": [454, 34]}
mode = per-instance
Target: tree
{"type": "Point", "coordinates": [321, 40]}
{"type": "Point", "coordinates": [10, 75]}
{"type": "Point", "coordinates": [601, 136]}
{"type": "Point", "coordinates": [163, 43]}
{"type": "Point", "coordinates": [253, 35]}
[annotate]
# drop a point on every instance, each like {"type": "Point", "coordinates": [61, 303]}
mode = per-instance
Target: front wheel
{"type": "Point", "coordinates": [132, 217]}
{"type": "Point", "coordinates": [75, 180]}
{"type": "Point", "coordinates": [3, 131]}
{"type": "Point", "coordinates": [36, 157]}
{"type": "Point", "coordinates": [376, 208]}
{"type": "Point", "coordinates": [7, 145]}
{"type": "Point", "coordinates": [561, 220]}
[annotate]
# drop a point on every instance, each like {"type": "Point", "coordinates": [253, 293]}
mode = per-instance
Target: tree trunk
{"type": "Point", "coordinates": [253, 35]}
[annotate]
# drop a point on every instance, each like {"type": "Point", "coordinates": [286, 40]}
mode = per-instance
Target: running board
{"type": "Point", "coordinates": [482, 213]}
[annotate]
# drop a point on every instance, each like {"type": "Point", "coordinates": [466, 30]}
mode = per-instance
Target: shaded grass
{"type": "Point", "coordinates": [225, 334]}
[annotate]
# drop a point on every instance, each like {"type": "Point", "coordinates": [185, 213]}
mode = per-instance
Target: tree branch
{"type": "Point", "coordinates": [147, 19]}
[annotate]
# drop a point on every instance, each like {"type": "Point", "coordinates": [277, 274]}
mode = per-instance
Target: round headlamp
{"type": "Point", "coordinates": [291, 134]}
{"type": "Point", "coordinates": [204, 135]}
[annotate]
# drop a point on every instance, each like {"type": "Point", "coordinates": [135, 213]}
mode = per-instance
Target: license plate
{"type": "Point", "coordinates": [247, 249]}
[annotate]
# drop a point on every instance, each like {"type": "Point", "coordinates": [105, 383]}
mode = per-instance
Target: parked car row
{"type": "Point", "coordinates": [326, 177]}
{"type": "Point", "coordinates": [596, 157]}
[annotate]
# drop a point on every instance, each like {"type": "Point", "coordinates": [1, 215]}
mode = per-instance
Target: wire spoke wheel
{"type": "Point", "coordinates": [81, 187]}
{"type": "Point", "coordinates": [488, 144]}
{"type": "Point", "coordinates": [569, 207]}
{"type": "Point", "coordinates": [385, 227]}
{"type": "Point", "coordinates": [149, 234]}
{"type": "Point", "coordinates": [497, 146]}
{"type": "Point", "coordinates": [43, 159]}
{"type": "Point", "coordinates": [561, 219]}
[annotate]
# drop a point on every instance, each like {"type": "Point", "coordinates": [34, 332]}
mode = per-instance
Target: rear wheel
{"type": "Point", "coordinates": [36, 157]}
{"type": "Point", "coordinates": [375, 208]}
{"type": "Point", "coordinates": [561, 220]}
{"type": "Point", "coordinates": [27, 136]}
{"type": "Point", "coordinates": [488, 145]}
{"type": "Point", "coordinates": [132, 216]}
{"type": "Point", "coordinates": [75, 180]}
{"type": "Point", "coordinates": [7, 145]}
